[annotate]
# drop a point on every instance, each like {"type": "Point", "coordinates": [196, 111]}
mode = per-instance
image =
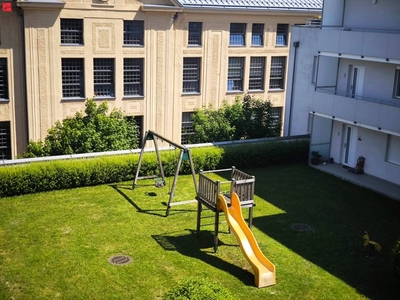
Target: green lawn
{"type": "Point", "coordinates": [56, 245]}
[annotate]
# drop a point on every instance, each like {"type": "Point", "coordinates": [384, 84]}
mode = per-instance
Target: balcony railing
{"type": "Point", "coordinates": [332, 90]}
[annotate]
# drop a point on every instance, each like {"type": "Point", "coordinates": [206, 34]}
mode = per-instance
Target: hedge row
{"type": "Point", "coordinates": [63, 174]}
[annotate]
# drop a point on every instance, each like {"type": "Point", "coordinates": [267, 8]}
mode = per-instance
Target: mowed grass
{"type": "Point", "coordinates": [56, 245]}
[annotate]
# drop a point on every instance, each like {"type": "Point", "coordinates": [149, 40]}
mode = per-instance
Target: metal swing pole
{"type": "Point", "coordinates": [159, 162]}
{"type": "Point", "coordinates": [140, 160]}
{"type": "Point", "coordinates": [172, 192]}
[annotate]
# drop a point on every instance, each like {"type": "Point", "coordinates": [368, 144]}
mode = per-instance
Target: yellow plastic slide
{"type": "Point", "coordinates": [264, 270]}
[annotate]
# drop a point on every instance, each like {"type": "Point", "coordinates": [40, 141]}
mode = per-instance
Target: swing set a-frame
{"type": "Point", "coordinates": [184, 155]}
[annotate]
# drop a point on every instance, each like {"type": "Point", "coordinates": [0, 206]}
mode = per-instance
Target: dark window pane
{"type": "Point", "coordinates": [191, 75]}
{"type": "Point", "coordinates": [133, 77]}
{"type": "Point", "coordinates": [103, 73]}
{"type": "Point", "coordinates": [72, 31]}
{"type": "Point", "coordinates": [3, 79]}
{"type": "Point", "coordinates": [72, 77]}
{"type": "Point", "coordinates": [195, 29]}
{"type": "Point", "coordinates": [134, 33]}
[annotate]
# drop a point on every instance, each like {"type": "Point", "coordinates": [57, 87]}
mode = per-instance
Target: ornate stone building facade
{"type": "Point", "coordinates": [157, 60]}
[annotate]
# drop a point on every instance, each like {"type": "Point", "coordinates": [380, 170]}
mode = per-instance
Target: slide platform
{"type": "Point", "coordinates": [264, 270]}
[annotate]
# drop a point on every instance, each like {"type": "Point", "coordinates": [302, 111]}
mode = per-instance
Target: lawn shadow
{"type": "Point", "coordinates": [191, 246]}
{"type": "Point", "coordinates": [155, 212]}
{"type": "Point", "coordinates": [322, 218]}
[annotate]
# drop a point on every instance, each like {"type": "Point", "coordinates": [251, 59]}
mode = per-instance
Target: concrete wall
{"type": "Point", "coordinates": [383, 14]}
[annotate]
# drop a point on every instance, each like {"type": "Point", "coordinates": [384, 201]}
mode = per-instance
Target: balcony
{"type": "Point", "coordinates": [375, 113]}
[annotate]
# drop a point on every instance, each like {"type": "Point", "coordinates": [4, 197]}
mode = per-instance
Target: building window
{"type": "Point", "coordinates": [139, 124]}
{"type": "Point", "coordinates": [133, 76]}
{"type": "Point", "coordinates": [257, 35]}
{"type": "Point", "coordinates": [72, 78]}
{"type": "Point", "coordinates": [134, 33]}
{"type": "Point", "coordinates": [282, 34]}
{"type": "Point", "coordinates": [257, 66]}
{"type": "Point", "coordinates": [3, 79]}
{"type": "Point", "coordinates": [396, 83]}
{"type": "Point", "coordinates": [276, 117]}
{"type": "Point", "coordinates": [194, 37]}
{"type": "Point", "coordinates": [237, 34]}
{"type": "Point", "coordinates": [314, 70]}
{"type": "Point", "coordinates": [191, 75]}
{"type": "Point", "coordinates": [235, 73]}
{"type": "Point", "coordinates": [71, 32]}
{"type": "Point", "coordinates": [103, 77]}
{"type": "Point", "coordinates": [393, 150]}
{"type": "Point", "coordinates": [277, 75]}
{"type": "Point", "coordinates": [187, 127]}
{"type": "Point", "coordinates": [5, 140]}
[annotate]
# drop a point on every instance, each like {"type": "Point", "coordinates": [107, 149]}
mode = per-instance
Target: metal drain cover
{"type": "Point", "coordinates": [301, 227]}
{"type": "Point", "coordinates": [120, 260]}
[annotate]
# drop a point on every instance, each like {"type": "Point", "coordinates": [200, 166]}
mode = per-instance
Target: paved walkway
{"type": "Point", "coordinates": [378, 185]}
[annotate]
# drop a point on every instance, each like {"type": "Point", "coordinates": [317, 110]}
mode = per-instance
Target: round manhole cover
{"type": "Point", "coordinates": [301, 227]}
{"type": "Point", "coordinates": [120, 260]}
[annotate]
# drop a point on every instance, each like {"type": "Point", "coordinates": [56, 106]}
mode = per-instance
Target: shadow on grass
{"type": "Point", "coordinates": [156, 212]}
{"type": "Point", "coordinates": [337, 214]}
{"type": "Point", "coordinates": [191, 246]}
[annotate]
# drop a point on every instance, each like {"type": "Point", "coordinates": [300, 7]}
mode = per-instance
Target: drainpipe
{"type": "Point", "coordinates": [295, 45]}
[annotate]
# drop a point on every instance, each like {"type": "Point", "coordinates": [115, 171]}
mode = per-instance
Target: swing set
{"type": "Point", "coordinates": [159, 181]}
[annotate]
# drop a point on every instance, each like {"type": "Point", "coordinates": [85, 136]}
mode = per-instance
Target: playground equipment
{"type": "Point", "coordinates": [264, 270]}
{"type": "Point", "coordinates": [209, 190]}
{"type": "Point", "coordinates": [373, 246]}
{"type": "Point", "coordinates": [184, 155]}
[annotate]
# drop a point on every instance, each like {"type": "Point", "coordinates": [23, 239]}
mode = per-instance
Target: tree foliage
{"type": "Point", "coordinates": [246, 118]}
{"type": "Point", "coordinates": [94, 131]}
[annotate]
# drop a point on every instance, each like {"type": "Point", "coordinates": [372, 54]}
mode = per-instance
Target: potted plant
{"type": "Point", "coordinates": [315, 157]}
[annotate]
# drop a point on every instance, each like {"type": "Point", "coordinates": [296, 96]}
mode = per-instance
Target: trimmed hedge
{"type": "Point", "coordinates": [63, 174]}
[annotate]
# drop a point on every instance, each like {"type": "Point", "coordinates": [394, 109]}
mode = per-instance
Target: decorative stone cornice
{"type": "Point", "coordinates": [42, 4]}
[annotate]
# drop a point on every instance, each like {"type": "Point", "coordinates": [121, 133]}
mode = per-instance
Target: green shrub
{"type": "Point", "coordinates": [63, 174]}
{"type": "Point", "coordinates": [198, 289]}
{"type": "Point", "coordinates": [396, 258]}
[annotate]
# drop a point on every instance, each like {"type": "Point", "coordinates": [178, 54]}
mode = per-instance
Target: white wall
{"type": "Point", "coordinates": [383, 15]}
{"type": "Point", "coordinates": [303, 87]}
{"type": "Point", "coordinates": [333, 13]}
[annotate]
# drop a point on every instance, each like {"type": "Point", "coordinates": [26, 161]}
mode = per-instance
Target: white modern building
{"type": "Point", "coordinates": [344, 85]}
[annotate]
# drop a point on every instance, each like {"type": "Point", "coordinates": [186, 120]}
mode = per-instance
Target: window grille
{"type": "Point", "coordinates": [134, 33]}
{"type": "Point", "coordinates": [71, 32]}
{"type": "Point", "coordinates": [281, 34]}
{"type": "Point", "coordinates": [396, 84]}
{"type": "Point", "coordinates": [103, 73]}
{"type": "Point", "coordinates": [195, 29]}
{"type": "Point", "coordinates": [257, 66]}
{"type": "Point", "coordinates": [191, 75]}
{"type": "Point", "coordinates": [133, 76]}
{"type": "Point", "coordinates": [5, 140]}
{"type": "Point", "coordinates": [237, 34]}
{"type": "Point", "coordinates": [187, 127]}
{"type": "Point", "coordinates": [277, 74]}
{"type": "Point", "coordinates": [72, 78]}
{"type": "Point", "coordinates": [257, 34]}
{"type": "Point", "coordinates": [276, 117]}
{"type": "Point", "coordinates": [235, 73]}
{"type": "Point", "coordinates": [3, 79]}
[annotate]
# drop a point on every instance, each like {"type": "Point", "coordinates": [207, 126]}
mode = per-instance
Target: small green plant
{"type": "Point", "coordinates": [396, 258]}
{"type": "Point", "coordinates": [198, 289]}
